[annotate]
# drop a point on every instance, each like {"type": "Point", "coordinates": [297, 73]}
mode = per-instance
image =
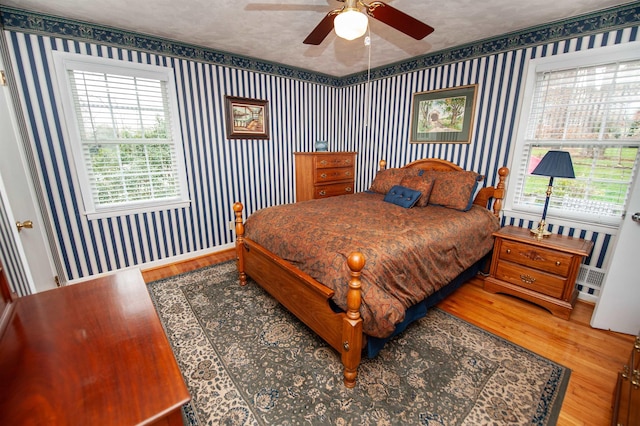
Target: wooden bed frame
{"type": "Point", "coordinates": [308, 299]}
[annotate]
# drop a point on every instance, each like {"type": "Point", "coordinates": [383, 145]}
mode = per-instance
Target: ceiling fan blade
{"type": "Point", "coordinates": [398, 20]}
{"type": "Point", "coordinates": [323, 29]}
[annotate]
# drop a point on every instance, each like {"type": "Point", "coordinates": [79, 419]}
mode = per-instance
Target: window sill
{"type": "Point", "coordinates": [126, 211]}
{"type": "Point", "coordinates": [610, 226]}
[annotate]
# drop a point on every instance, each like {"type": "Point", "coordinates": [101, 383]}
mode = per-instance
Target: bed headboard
{"type": "Point", "coordinates": [483, 197]}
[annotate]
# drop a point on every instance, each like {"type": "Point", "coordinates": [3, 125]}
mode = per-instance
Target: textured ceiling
{"type": "Point", "coordinates": [273, 30]}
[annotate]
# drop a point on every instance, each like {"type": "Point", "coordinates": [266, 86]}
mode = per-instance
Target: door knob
{"type": "Point", "coordinates": [636, 217]}
{"type": "Point", "coordinates": [25, 224]}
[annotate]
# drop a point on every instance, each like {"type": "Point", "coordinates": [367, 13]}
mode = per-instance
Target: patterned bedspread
{"type": "Point", "coordinates": [410, 253]}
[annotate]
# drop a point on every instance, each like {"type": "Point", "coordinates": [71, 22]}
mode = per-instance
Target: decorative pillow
{"type": "Point", "coordinates": [404, 197]}
{"type": "Point", "coordinates": [424, 184]}
{"type": "Point", "coordinates": [453, 189]}
{"type": "Point", "coordinates": [387, 178]}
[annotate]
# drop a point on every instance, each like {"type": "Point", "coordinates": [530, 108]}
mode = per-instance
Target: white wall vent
{"type": "Point", "coordinates": [589, 282]}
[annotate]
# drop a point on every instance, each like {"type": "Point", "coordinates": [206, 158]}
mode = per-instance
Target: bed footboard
{"type": "Point", "coordinates": [305, 297]}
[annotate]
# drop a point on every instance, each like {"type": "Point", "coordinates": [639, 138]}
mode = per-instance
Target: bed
{"type": "Point", "coordinates": [358, 268]}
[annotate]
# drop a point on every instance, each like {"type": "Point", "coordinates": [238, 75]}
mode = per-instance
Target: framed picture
{"type": "Point", "coordinates": [444, 116]}
{"type": "Point", "coordinates": [247, 118]}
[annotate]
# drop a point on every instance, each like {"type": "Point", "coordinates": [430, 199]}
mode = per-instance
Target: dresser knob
{"type": "Point", "coordinates": [323, 162]}
{"type": "Point", "coordinates": [625, 372]}
{"type": "Point", "coordinates": [508, 251]}
{"type": "Point", "coordinates": [527, 279]}
{"type": "Point", "coordinates": [348, 189]}
{"type": "Point", "coordinates": [347, 173]}
{"type": "Point", "coordinates": [558, 263]}
{"type": "Point", "coordinates": [323, 176]}
{"type": "Point", "coordinates": [322, 193]}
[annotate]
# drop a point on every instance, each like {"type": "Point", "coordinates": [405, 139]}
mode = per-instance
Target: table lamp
{"type": "Point", "coordinates": [553, 164]}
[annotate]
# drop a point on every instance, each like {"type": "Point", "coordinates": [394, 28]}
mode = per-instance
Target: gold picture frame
{"type": "Point", "coordinates": [443, 116]}
{"type": "Point", "coordinates": [247, 118]}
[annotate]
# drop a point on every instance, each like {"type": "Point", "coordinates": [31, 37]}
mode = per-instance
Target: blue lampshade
{"type": "Point", "coordinates": [555, 164]}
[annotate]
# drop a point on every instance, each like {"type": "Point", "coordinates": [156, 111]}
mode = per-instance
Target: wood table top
{"type": "Point", "coordinates": [88, 353]}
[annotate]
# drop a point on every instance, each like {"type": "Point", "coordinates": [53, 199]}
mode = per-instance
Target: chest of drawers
{"type": "Point", "coordinates": [626, 405]}
{"type": "Point", "coordinates": [324, 174]}
{"type": "Point", "coordinates": [542, 271]}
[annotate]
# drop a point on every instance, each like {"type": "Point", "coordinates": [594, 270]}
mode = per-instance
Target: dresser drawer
{"type": "Point", "coordinates": [333, 174]}
{"type": "Point", "coordinates": [551, 261]}
{"type": "Point", "coordinates": [323, 191]}
{"type": "Point", "coordinates": [333, 160]}
{"type": "Point", "coordinates": [532, 279]}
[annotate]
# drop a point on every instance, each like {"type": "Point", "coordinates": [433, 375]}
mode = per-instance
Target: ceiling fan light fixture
{"type": "Point", "coordinates": [351, 24]}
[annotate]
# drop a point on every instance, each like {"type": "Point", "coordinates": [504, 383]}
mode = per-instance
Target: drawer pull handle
{"type": "Point", "coordinates": [625, 372]}
{"type": "Point", "coordinates": [322, 193]}
{"type": "Point", "coordinates": [347, 173]}
{"type": "Point", "coordinates": [347, 161]}
{"type": "Point", "coordinates": [558, 263]}
{"type": "Point", "coordinates": [323, 162]}
{"type": "Point", "coordinates": [323, 176]}
{"type": "Point", "coordinates": [348, 189]}
{"type": "Point", "coordinates": [508, 251]}
{"type": "Point", "coordinates": [527, 279]}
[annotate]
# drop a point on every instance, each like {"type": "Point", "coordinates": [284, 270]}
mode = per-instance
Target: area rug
{"type": "Point", "coordinates": [248, 361]}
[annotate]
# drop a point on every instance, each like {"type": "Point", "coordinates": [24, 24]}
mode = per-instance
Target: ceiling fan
{"type": "Point", "coordinates": [350, 23]}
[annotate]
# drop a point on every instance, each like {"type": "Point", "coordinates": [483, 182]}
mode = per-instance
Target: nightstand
{"type": "Point", "coordinates": [324, 174]}
{"type": "Point", "coordinates": [542, 271]}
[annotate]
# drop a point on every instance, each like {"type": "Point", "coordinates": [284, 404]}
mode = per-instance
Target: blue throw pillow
{"type": "Point", "coordinates": [404, 197]}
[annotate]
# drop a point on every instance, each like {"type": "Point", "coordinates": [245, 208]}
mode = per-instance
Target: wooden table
{"type": "Point", "coordinates": [542, 271]}
{"type": "Point", "coordinates": [93, 353]}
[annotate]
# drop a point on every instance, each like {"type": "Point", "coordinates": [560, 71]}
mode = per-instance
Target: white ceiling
{"type": "Point", "coordinates": [273, 30]}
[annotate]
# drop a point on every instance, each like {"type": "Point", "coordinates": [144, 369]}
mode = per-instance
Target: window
{"type": "Point", "coordinates": [124, 134]}
{"type": "Point", "coordinates": [591, 110]}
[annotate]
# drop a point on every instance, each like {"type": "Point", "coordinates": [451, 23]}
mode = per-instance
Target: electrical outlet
{"type": "Point", "coordinates": [232, 225]}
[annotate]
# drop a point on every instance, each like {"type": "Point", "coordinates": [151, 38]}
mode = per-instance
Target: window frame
{"type": "Point", "coordinates": [65, 61]}
{"type": "Point", "coordinates": [585, 58]}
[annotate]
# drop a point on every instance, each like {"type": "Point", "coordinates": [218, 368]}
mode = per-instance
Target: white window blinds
{"type": "Point", "coordinates": [594, 113]}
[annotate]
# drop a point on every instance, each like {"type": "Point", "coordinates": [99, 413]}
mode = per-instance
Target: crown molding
{"type": "Point", "coordinates": [624, 16]}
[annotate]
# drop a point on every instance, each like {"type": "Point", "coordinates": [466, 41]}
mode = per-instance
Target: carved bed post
{"type": "Point", "coordinates": [352, 323]}
{"type": "Point", "coordinates": [237, 208]}
{"type": "Point", "coordinates": [498, 194]}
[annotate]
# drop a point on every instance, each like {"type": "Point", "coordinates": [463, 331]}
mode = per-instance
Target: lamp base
{"type": "Point", "coordinates": [541, 231]}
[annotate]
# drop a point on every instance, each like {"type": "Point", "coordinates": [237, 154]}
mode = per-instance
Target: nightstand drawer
{"type": "Point", "coordinates": [547, 260]}
{"type": "Point", "coordinates": [334, 160]}
{"type": "Point", "coordinates": [323, 191]}
{"type": "Point", "coordinates": [532, 279]}
{"type": "Point", "coordinates": [333, 174]}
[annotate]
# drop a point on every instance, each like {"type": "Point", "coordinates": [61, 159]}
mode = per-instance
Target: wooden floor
{"type": "Point", "coordinates": [594, 356]}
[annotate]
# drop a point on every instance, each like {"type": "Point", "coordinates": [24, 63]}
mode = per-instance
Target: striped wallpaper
{"type": "Point", "coordinates": [371, 118]}
{"type": "Point", "coordinates": [220, 172]}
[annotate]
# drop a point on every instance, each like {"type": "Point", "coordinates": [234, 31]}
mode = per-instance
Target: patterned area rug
{"type": "Point", "coordinates": [247, 361]}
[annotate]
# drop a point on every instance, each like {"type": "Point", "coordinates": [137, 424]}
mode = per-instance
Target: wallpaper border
{"type": "Point", "coordinates": [600, 21]}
